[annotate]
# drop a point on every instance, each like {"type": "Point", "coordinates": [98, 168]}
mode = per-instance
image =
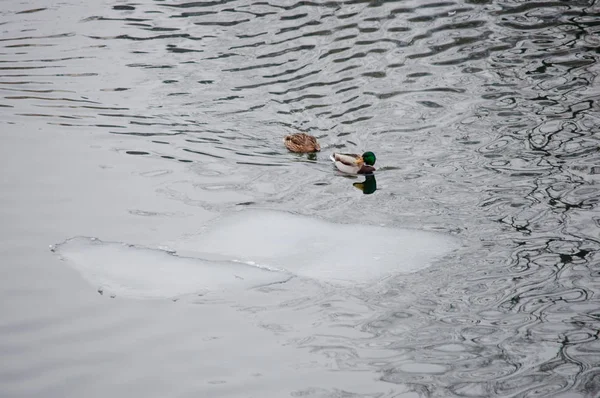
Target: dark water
{"type": "Point", "coordinates": [485, 119]}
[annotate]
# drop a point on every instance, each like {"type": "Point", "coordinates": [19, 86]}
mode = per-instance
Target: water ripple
{"type": "Point", "coordinates": [483, 115]}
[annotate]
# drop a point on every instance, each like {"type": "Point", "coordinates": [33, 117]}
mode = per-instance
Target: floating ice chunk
{"type": "Point", "coordinates": [127, 270]}
{"type": "Point", "coordinates": [255, 248]}
{"type": "Point", "coordinates": [319, 249]}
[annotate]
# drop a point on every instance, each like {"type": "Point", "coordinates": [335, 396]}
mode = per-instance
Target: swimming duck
{"type": "Point", "coordinates": [354, 164]}
{"type": "Point", "coordinates": [302, 143]}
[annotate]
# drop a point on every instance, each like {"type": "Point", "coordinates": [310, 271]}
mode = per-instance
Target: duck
{"type": "Point", "coordinates": [354, 164]}
{"type": "Point", "coordinates": [301, 143]}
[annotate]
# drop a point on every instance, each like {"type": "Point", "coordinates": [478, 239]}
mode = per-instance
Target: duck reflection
{"type": "Point", "coordinates": [368, 186]}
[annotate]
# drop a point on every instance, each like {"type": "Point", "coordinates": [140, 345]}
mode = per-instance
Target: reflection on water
{"type": "Point", "coordinates": [484, 114]}
{"type": "Point", "coordinates": [368, 186]}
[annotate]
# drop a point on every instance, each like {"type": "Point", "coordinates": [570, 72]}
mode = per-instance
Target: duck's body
{"type": "Point", "coordinates": [353, 163]}
{"type": "Point", "coordinates": [301, 143]}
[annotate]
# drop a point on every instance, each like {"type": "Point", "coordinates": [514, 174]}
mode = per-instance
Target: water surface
{"type": "Point", "coordinates": [142, 122]}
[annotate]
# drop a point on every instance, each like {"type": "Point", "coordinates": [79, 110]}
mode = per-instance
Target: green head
{"type": "Point", "coordinates": [369, 158]}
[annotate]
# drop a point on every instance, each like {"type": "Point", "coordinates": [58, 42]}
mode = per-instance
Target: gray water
{"type": "Point", "coordinates": [143, 122]}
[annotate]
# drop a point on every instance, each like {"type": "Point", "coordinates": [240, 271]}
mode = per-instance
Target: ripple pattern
{"type": "Point", "coordinates": [484, 116]}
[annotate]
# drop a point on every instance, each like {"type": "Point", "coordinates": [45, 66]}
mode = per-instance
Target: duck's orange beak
{"type": "Point", "coordinates": [359, 160]}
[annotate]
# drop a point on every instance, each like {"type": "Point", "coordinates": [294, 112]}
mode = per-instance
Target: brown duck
{"type": "Point", "coordinates": [301, 143]}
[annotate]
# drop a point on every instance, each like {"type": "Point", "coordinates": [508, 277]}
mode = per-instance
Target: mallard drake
{"type": "Point", "coordinates": [302, 143]}
{"type": "Point", "coordinates": [354, 164]}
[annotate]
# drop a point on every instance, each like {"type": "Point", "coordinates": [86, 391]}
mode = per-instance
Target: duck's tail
{"type": "Point", "coordinates": [332, 157]}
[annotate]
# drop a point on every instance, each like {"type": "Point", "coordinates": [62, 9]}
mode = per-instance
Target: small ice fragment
{"type": "Point", "coordinates": [132, 271]}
